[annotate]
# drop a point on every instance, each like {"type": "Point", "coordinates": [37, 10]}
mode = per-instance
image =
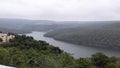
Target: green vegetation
{"type": "Point", "coordinates": [25, 52]}
{"type": "Point", "coordinates": [102, 36]}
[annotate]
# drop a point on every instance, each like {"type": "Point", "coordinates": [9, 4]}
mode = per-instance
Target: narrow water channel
{"type": "Point", "coordinates": [75, 50]}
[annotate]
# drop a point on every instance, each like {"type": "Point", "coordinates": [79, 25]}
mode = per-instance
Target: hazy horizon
{"type": "Point", "coordinates": [57, 20]}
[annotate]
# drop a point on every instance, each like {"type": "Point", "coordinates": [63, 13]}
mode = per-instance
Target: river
{"type": "Point", "coordinates": [75, 50]}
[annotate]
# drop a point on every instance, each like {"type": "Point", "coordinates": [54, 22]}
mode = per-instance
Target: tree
{"type": "Point", "coordinates": [100, 59]}
{"type": "Point", "coordinates": [83, 63]}
{"type": "Point", "coordinates": [66, 60]}
{"type": "Point", "coordinates": [113, 59]}
{"type": "Point", "coordinates": [4, 55]}
{"type": "Point", "coordinates": [110, 65]}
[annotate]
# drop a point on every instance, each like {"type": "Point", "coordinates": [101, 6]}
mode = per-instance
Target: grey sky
{"type": "Point", "coordinates": [61, 9]}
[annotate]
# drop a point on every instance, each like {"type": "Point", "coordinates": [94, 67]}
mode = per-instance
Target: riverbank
{"type": "Point", "coordinates": [97, 37]}
{"type": "Point", "coordinates": [76, 50]}
{"type": "Point", "coordinates": [89, 45]}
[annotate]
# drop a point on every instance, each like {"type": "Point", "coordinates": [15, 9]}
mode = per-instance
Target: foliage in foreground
{"type": "Point", "coordinates": [25, 52]}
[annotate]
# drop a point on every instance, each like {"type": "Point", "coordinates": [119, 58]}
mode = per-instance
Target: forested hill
{"type": "Point", "coordinates": [25, 52]}
{"type": "Point", "coordinates": [21, 26]}
{"type": "Point", "coordinates": [102, 36]}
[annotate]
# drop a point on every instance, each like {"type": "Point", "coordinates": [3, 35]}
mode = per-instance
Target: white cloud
{"type": "Point", "coordinates": [61, 9]}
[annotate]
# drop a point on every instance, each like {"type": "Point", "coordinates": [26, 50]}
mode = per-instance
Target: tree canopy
{"type": "Point", "coordinates": [25, 52]}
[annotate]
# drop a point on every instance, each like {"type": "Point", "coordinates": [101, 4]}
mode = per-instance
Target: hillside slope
{"type": "Point", "coordinates": [26, 26]}
{"type": "Point", "coordinates": [102, 36]}
{"type": "Point", "coordinates": [26, 52]}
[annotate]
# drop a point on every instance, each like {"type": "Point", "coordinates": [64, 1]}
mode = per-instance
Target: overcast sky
{"type": "Point", "coordinates": [60, 10]}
